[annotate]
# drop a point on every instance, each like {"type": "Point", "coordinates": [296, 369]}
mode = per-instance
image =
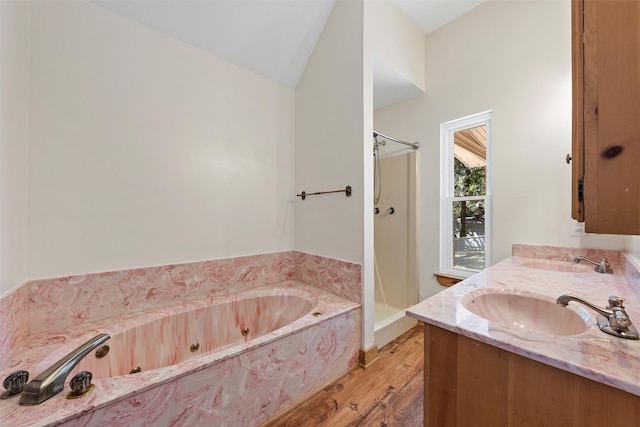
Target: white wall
{"type": "Point", "coordinates": [396, 41]}
{"type": "Point", "coordinates": [146, 151]}
{"type": "Point", "coordinates": [514, 58]}
{"type": "Point", "coordinates": [330, 138]}
{"type": "Point", "coordinates": [14, 136]}
{"type": "Point", "coordinates": [632, 246]}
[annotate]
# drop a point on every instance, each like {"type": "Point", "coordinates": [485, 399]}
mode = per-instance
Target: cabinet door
{"type": "Point", "coordinates": [611, 114]}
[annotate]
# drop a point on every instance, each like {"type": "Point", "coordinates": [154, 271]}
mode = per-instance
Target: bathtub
{"type": "Point", "coordinates": [233, 360]}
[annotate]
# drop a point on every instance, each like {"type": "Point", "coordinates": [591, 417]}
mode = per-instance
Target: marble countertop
{"type": "Point", "coordinates": [592, 354]}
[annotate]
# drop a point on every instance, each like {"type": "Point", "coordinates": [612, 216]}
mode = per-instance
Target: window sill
{"type": "Point", "coordinates": [447, 280]}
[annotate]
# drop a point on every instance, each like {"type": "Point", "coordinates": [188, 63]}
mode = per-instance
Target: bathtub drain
{"type": "Point", "coordinates": [194, 347]}
{"type": "Point", "coordinates": [135, 370]}
{"type": "Point", "coordinates": [245, 332]}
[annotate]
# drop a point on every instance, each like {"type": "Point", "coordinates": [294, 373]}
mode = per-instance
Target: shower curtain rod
{"type": "Point", "coordinates": [414, 145]}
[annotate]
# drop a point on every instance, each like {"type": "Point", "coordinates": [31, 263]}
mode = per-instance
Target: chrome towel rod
{"type": "Point", "coordinates": [414, 145]}
{"type": "Point", "coordinates": [304, 194]}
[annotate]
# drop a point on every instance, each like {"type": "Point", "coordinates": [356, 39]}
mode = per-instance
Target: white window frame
{"type": "Point", "coordinates": [447, 198]}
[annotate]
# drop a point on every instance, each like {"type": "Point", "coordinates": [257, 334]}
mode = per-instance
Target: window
{"type": "Point", "coordinates": [465, 195]}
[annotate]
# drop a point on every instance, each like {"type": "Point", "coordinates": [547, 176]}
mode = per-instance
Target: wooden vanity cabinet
{"type": "Point", "coordinates": [606, 115]}
{"type": "Point", "coordinates": [469, 383]}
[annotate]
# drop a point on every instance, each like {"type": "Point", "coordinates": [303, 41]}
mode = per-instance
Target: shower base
{"type": "Point", "coordinates": [390, 323]}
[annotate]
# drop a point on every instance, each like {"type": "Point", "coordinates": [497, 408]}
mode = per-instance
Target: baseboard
{"type": "Point", "coordinates": [368, 356]}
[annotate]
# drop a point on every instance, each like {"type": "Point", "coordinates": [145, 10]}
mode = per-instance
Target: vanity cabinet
{"type": "Point", "coordinates": [469, 383]}
{"type": "Point", "coordinates": [606, 116]}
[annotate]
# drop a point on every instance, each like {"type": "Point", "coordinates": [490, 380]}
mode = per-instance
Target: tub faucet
{"type": "Point", "coordinates": [614, 319]}
{"type": "Point", "coordinates": [51, 381]}
{"type": "Point", "coordinates": [601, 267]}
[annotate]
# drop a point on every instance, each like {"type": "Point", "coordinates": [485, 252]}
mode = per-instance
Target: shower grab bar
{"type": "Point", "coordinates": [304, 194]}
{"type": "Point", "coordinates": [414, 145]}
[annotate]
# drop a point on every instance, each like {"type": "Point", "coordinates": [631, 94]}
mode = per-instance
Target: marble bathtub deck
{"type": "Point", "coordinates": [44, 349]}
{"type": "Point", "coordinates": [547, 273]}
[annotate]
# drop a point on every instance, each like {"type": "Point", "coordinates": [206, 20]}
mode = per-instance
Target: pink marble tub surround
{"type": "Point", "coordinates": [340, 278]}
{"type": "Point", "coordinates": [337, 349]}
{"type": "Point", "coordinates": [14, 319]}
{"type": "Point", "coordinates": [228, 321]}
{"type": "Point", "coordinates": [261, 388]}
{"type": "Point", "coordinates": [67, 301]}
{"type": "Point", "coordinates": [592, 354]}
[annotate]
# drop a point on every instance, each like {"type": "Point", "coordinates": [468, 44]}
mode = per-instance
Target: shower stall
{"type": "Point", "coordinates": [395, 238]}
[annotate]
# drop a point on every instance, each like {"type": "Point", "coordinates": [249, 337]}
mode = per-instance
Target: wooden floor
{"type": "Point", "coordinates": [386, 394]}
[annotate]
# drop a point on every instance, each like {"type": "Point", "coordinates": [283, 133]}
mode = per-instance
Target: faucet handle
{"type": "Point", "coordinates": [14, 383]}
{"type": "Point", "coordinates": [615, 301]}
{"type": "Point", "coordinates": [80, 384]}
{"type": "Point", "coordinates": [604, 266]}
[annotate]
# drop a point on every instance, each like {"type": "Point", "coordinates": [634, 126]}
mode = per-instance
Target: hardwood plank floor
{"type": "Point", "coordinates": [386, 394]}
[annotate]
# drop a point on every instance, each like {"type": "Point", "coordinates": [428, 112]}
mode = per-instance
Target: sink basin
{"type": "Point", "coordinates": [527, 312]}
{"type": "Point", "coordinates": [560, 266]}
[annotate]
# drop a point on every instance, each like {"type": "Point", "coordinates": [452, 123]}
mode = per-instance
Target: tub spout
{"type": "Point", "coordinates": [51, 381]}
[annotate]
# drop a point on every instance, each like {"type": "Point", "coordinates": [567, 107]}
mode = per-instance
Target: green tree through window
{"type": "Point", "coordinates": [468, 182]}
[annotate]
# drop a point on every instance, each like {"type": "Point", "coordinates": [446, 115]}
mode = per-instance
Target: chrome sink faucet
{"type": "Point", "coordinates": [613, 319]}
{"type": "Point", "coordinates": [51, 381]}
{"type": "Point", "coordinates": [601, 267]}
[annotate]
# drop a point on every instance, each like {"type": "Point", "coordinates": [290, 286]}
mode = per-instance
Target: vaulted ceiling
{"type": "Point", "coordinates": [273, 38]}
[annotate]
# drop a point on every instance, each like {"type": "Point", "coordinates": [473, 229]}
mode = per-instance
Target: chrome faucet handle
{"type": "Point", "coordinates": [14, 383]}
{"type": "Point", "coordinates": [80, 384]}
{"type": "Point", "coordinates": [601, 267]}
{"type": "Point", "coordinates": [613, 320]}
{"type": "Point", "coordinates": [615, 301]}
{"type": "Point", "coordinates": [604, 266]}
{"type": "Point", "coordinates": [52, 380]}
{"type": "Point", "coordinates": [619, 318]}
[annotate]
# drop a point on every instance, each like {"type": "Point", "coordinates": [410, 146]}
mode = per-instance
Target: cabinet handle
{"type": "Point", "coordinates": [568, 158]}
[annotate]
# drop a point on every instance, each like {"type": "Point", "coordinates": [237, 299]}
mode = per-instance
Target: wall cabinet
{"type": "Point", "coordinates": [469, 383]}
{"type": "Point", "coordinates": [606, 116]}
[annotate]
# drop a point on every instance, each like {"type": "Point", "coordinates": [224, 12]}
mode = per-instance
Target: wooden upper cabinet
{"type": "Point", "coordinates": [606, 115]}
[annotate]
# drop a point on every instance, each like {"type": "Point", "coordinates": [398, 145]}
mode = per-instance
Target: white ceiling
{"type": "Point", "coordinates": [275, 38]}
{"type": "Point", "coordinates": [389, 86]}
{"type": "Point", "coordinates": [429, 15]}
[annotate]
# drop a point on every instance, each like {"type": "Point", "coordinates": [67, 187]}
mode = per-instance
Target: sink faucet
{"type": "Point", "coordinates": [51, 382]}
{"type": "Point", "coordinates": [601, 267]}
{"type": "Point", "coordinates": [617, 321]}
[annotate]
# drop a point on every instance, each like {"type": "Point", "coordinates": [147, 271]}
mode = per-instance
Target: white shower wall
{"type": "Point", "coordinates": [395, 235]}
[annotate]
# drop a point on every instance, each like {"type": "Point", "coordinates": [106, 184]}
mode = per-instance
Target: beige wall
{"type": "Point", "coordinates": [396, 41]}
{"type": "Point", "coordinates": [331, 100]}
{"type": "Point", "coordinates": [514, 58]}
{"type": "Point", "coordinates": [145, 151]}
{"type": "Point", "coordinates": [14, 138]}
{"type": "Point", "coordinates": [632, 246]}
{"type": "Point", "coordinates": [329, 140]}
